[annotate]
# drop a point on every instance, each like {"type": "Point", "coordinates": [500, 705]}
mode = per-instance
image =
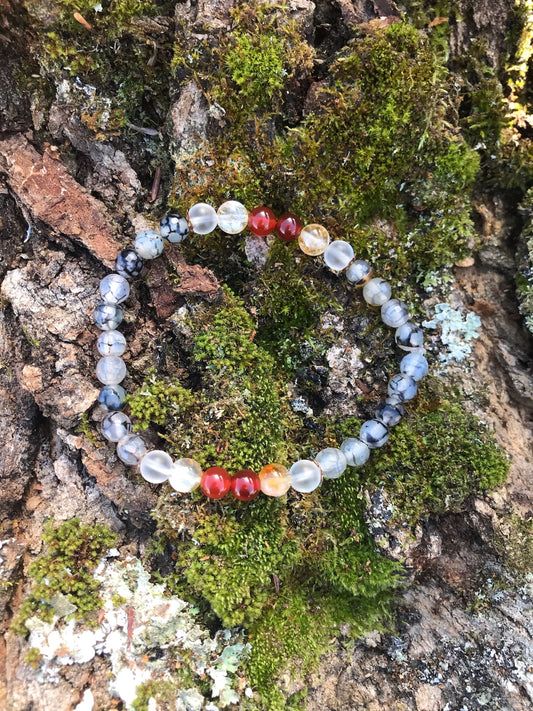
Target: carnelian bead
{"type": "Point", "coordinates": [289, 227]}
{"type": "Point", "coordinates": [261, 221]}
{"type": "Point", "coordinates": [245, 485]}
{"type": "Point", "coordinates": [215, 482]}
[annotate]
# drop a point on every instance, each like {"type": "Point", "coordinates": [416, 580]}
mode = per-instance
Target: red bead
{"type": "Point", "coordinates": [245, 485]}
{"type": "Point", "coordinates": [288, 227]}
{"type": "Point", "coordinates": [215, 482]}
{"type": "Point", "coordinates": [261, 221]}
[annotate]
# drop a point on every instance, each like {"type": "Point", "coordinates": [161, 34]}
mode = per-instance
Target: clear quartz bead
{"type": "Point", "coordinates": [131, 449]}
{"type": "Point", "coordinates": [355, 451]}
{"type": "Point", "coordinates": [313, 239]}
{"type": "Point", "coordinates": [114, 289]}
{"type": "Point", "coordinates": [202, 218]}
{"type": "Point", "coordinates": [409, 337]}
{"type": "Point", "coordinates": [275, 480]}
{"type": "Point", "coordinates": [107, 316]}
{"type": "Point", "coordinates": [338, 255]}
{"type": "Point", "coordinates": [394, 313]}
{"type": "Point", "coordinates": [111, 370]}
{"type": "Point", "coordinates": [377, 291]}
{"type": "Point", "coordinates": [390, 414]}
{"type": "Point", "coordinates": [185, 475]}
{"type": "Point", "coordinates": [374, 433]}
{"type": "Point", "coordinates": [112, 396]}
{"type": "Point", "coordinates": [402, 387]}
{"type": "Point", "coordinates": [115, 426]}
{"type": "Point", "coordinates": [359, 272]}
{"type": "Point", "coordinates": [156, 466]}
{"type": "Point", "coordinates": [174, 227]}
{"type": "Point", "coordinates": [332, 462]}
{"type": "Point", "coordinates": [305, 476]}
{"type": "Point", "coordinates": [111, 343]}
{"type": "Point", "coordinates": [149, 244]}
{"type": "Point", "coordinates": [415, 365]}
{"type": "Point", "coordinates": [232, 217]}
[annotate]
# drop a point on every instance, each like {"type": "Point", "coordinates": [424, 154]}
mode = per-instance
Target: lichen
{"type": "Point", "coordinates": [456, 332]}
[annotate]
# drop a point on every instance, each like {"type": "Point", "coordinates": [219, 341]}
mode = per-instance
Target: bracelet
{"type": "Point", "coordinates": [305, 475]}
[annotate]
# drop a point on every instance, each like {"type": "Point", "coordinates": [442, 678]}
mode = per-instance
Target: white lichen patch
{"type": "Point", "coordinates": [457, 332]}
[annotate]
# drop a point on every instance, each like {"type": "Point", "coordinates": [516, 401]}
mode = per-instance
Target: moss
{"type": "Point", "coordinates": [87, 431]}
{"type": "Point", "coordinates": [524, 276]}
{"type": "Point", "coordinates": [33, 657]}
{"type": "Point", "coordinates": [159, 401]}
{"type": "Point", "coordinates": [514, 542]}
{"type": "Point", "coordinates": [163, 691]}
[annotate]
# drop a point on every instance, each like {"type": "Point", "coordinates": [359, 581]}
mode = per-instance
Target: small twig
{"type": "Point", "coordinates": [79, 18]}
{"type": "Point", "coordinates": [142, 129]}
{"type": "Point", "coordinates": [156, 184]}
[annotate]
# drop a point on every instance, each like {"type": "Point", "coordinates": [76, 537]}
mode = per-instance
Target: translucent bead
{"type": "Point", "coordinates": [245, 485]}
{"type": "Point", "coordinates": [305, 476]}
{"type": "Point", "coordinates": [377, 291]}
{"type": "Point", "coordinates": [390, 414]}
{"type": "Point", "coordinates": [313, 240]}
{"type": "Point", "coordinates": [115, 426]}
{"type": "Point", "coordinates": [111, 343]}
{"type": "Point", "coordinates": [112, 397]}
{"type": "Point", "coordinates": [415, 365]}
{"type": "Point", "coordinates": [275, 480]}
{"type": "Point", "coordinates": [107, 316]}
{"type": "Point", "coordinates": [232, 217]}
{"type": "Point", "coordinates": [202, 218]}
{"type": "Point", "coordinates": [288, 227]}
{"type": "Point", "coordinates": [111, 370]}
{"type": "Point", "coordinates": [338, 255]}
{"type": "Point", "coordinates": [261, 221]}
{"type": "Point", "coordinates": [359, 272]}
{"type": "Point", "coordinates": [215, 482]}
{"type": "Point", "coordinates": [332, 462]}
{"type": "Point", "coordinates": [131, 449]}
{"type": "Point", "coordinates": [185, 475]}
{"type": "Point", "coordinates": [156, 466]}
{"type": "Point", "coordinates": [128, 264]}
{"type": "Point", "coordinates": [409, 337]}
{"type": "Point", "coordinates": [394, 313]}
{"type": "Point", "coordinates": [403, 387]}
{"type": "Point", "coordinates": [174, 228]}
{"type": "Point", "coordinates": [114, 289]}
{"type": "Point", "coordinates": [374, 433]}
{"type": "Point", "coordinates": [355, 451]}
{"type": "Point", "coordinates": [149, 244]}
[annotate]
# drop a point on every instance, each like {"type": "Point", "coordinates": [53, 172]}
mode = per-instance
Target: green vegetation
{"type": "Point", "coordinates": [159, 401]}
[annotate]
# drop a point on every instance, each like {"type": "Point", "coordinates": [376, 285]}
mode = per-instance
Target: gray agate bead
{"type": "Point", "coordinates": [358, 273]}
{"type": "Point", "coordinates": [174, 228]}
{"type": "Point", "coordinates": [131, 449]}
{"type": "Point", "coordinates": [114, 289]}
{"type": "Point", "coordinates": [377, 291]}
{"type": "Point", "coordinates": [374, 433]}
{"type": "Point", "coordinates": [338, 255]}
{"type": "Point", "coordinates": [111, 370]}
{"type": "Point", "coordinates": [402, 387]}
{"type": "Point", "coordinates": [128, 264]}
{"type": "Point", "coordinates": [389, 413]}
{"type": "Point", "coordinates": [115, 426]}
{"type": "Point", "coordinates": [111, 343]}
{"type": "Point", "coordinates": [356, 451]}
{"type": "Point", "coordinates": [332, 462]}
{"type": "Point", "coordinates": [149, 244]}
{"type": "Point", "coordinates": [415, 365]}
{"type": "Point", "coordinates": [107, 316]}
{"type": "Point", "coordinates": [394, 313]}
{"type": "Point", "coordinates": [409, 337]}
{"type": "Point", "coordinates": [112, 397]}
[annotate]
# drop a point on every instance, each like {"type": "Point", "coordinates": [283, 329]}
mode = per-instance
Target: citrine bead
{"type": "Point", "coordinates": [313, 239]}
{"type": "Point", "coordinates": [245, 485]}
{"type": "Point", "coordinates": [215, 482]}
{"type": "Point", "coordinates": [288, 227]}
{"type": "Point", "coordinates": [261, 221]}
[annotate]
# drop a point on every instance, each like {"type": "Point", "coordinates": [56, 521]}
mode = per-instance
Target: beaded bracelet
{"type": "Point", "coordinates": [305, 475]}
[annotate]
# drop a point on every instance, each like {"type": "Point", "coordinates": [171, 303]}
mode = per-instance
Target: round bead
{"type": "Point", "coordinates": [288, 227]}
{"type": "Point", "coordinates": [202, 218]}
{"type": "Point", "coordinates": [355, 451]}
{"type": "Point", "coordinates": [332, 462]}
{"type": "Point", "coordinates": [112, 397]}
{"type": "Point", "coordinates": [377, 291]}
{"type": "Point", "coordinates": [245, 485]}
{"type": "Point", "coordinates": [215, 482]}
{"type": "Point", "coordinates": [111, 370]}
{"type": "Point", "coordinates": [374, 433]}
{"type": "Point", "coordinates": [232, 217]}
{"type": "Point", "coordinates": [114, 289]}
{"type": "Point", "coordinates": [111, 343]}
{"type": "Point", "coordinates": [185, 475]}
{"type": "Point", "coordinates": [156, 466]}
{"type": "Point", "coordinates": [131, 449]}
{"type": "Point", "coordinates": [313, 240]}
{"type": "Point", "coordinates": [261, 221]}
{"type": "Point", "coordinates": [338, 255]}
{"type": "Point", "coordinates": [403, 387]}
{"type": "Point", "coordinates": [128, 264]}
{"type": "Point", "coordinates": [149, 244]}
{"type": "Point", "coordinates": [275, 480]}
{"type": "Point", "coordinates": [305, 476]}
{"type": "Point", "coordinates": [415, 365]}
{"type": "Point", "coordinates": [107, 316]}
{"type": "Point", "coordinates": [390, 414]}
{"type": "Point", "coordinates": [174, 228]}
{"type": "Point", "coordinates": [409, 337]}
{"type": "Point", "coordinates": [359, 272]}
{"type": "Point", "coordinates": [115, 426]}
{"type": "Point", "coordinates": [394, 313]}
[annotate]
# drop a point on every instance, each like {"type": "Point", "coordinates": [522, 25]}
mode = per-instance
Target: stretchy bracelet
{"type": "Point", "coordinates": [305, 475]}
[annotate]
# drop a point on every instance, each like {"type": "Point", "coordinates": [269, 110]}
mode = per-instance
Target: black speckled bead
{"type": "Point", "coordinates": [174, 227]}
{"type": "Point", "coordinates": [128, 264]}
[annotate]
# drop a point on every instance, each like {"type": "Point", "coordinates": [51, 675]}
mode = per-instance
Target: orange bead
{"type": "Point", "coordinates": [275, 480]}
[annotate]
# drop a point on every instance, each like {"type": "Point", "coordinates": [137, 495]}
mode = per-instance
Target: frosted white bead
{"type": "Point", "coordinates": [305, 476]}
{"type": "Point", "coordinates": [115, 426]}
{"type": "Point", "coordinates": [156, 466]}
{"type": "Point", "coordinates": [377, 291]}
{"type": "Point", "coordinates": [409, 337]}
{"type": "Point", "coordinates": [232, 217]}
{"type": "Point", "coordinates": [111, 343]}
{"type": "Point", "coordinates": [415, 365]}
{"type": "Point", "coordinates": [111, 370]}
{"type": "Point", "coordinates": [114, 289]}
{"type": "Point", "coordinates": [338, 255]}
{"type": "Point", "coordinates": [358, 272]}
{"type": "Point", "coordinates": [107, 316]}
{"type": "Point", "coordinates": [394, 313]}
{"type": "Point", "coordinates": [389, 413]}
{"type": "Point", "coordinates": [131, 449]}
{"type": "Point", "coordinates": [355, 451]}
{"type": "Point", "coordinates": [149, 244]}
{"type": "Point", "coordinates": [403, 387]}
{"type": "Point", "coordinates": [374, 433]}
{"type": "Point", "coordinates": [185, 475]}
{"type": "Point", "coordinates": [202, 218]}
{"type": "Point", "coordinates": [332, 462]}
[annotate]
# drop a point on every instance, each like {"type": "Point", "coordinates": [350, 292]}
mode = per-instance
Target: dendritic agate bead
{"type": "Point", "coordinates": [409, 337]}
{"type": "Point", "coordinates": [115, 426]}
{"type": "Point", "coordinates": [313, 240]}
{"type": "Point", "coordinates": [389, 414]}
{"type": "Point", "coordinates": [359, 272]}
{"type": "Point", "coordinates": [107, 316]}
{"type": "Point", "coordinates": [415, 365]}
{"type": "Point", "coordinates": [114, 289]}
{"type": "Point", "coordinates": [112, 397]}
{"type": "Point", "coordinates": [288, 227]}
{"type": "Point", "coordinates": [185, 475]}
{"type": "Point", "coordinates": [111, 370]}
{"type": "Point", "coordinates": [156, 466]}
{"type": "Point", "coordinates": [111, 343]}
{"type": "Point", "coordinates": [149, 244]}
{"type": "Point", "coordinates": [355, 451]}
{"type": "Point", "coordinates": [232, 217]}
{"type": "Point", "coordinates": [128, 264]}
{"type": "Point", "coordinates": [245, 485]}
{"type": "Point", "coordinates": [275, 480]}
{"type": "Point", "coordinates": [403, 387]}
{"type": "Point", "coordinates": [131, 449]}
{"type": "Point", "coordinates": [332, 462]}
{"type": "Point", "coordinates": [338, 255]}
{"type": "Point", "coordinates": [305, 476]}
{"type": "Point", "coordinates": [202, 218]}
{"type": "Point", "coordinates": [215, 482]}
{"type": "Point", "coordinates": [374, 433]}
{"type": "Point", "coordinates": [394, 313]}
{"type": "Point", "coordinates": [377, 291]}
{"type": "Point", "coordinates": [261, 221]}
{"type": "Point", "coordinates": [174, 228]}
